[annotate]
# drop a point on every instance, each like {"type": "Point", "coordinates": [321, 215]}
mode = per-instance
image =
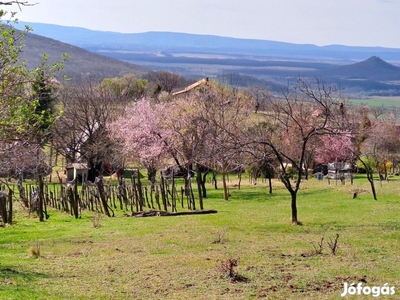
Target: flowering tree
{"type": "Point", "coordinates": [208, 126]}
{"type": "Point", "coordinates": [141, 136]}
{"type": "Point", "coordinates": [377, 145]}
{"type": "Point", "coordinates": [335, 147]}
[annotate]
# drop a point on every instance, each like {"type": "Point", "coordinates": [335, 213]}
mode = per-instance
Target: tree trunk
{"type": "Point", "coordinates": [203, 184]}
{"type": "Point", "coordinates": [193, 203]}
{"type": "Point", "coordinates": [140, 191]}
{"type": "Point", "coordinates": [379, 174]}
{"type": "Point", "coordinates": [240, 178]}
{"type": "Point", "coordinates": [306, 173]}
{"type": "Point", "coordinates": [199, 187]}
{"type": "Point", "coordinates": [40, 198]}
{"type": "Point", "coordinates": [173, 193]}
{"type": "Point", "coordinates": [157, 196]}
{"type": "Point", "coordinates": [385, 170]}
{"type": "Point", "coordinates": [214, 178]}
{"type": "Point", "coordinates": [294, 208]}
{"type": "Point", "coordinates": [226, 194]}
{"type": "Point", "coordinates": [151, 176]}
{"type": "Point", "coordinates": [21, 191]}
{"type": "Point", "coordinates": [370, 178]}
{"type": "Point", "coordinates": [75, 207]}
{"type": "Point", "coordinates": [270, 184]}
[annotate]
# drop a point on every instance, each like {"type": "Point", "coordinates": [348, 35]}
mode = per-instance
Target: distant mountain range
{"type": "Point", "coordinates": [178, 42]}
{"type": "Point", "coordinates": [241, 62]}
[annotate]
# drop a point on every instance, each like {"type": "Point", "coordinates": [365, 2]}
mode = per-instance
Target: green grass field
{"type": "Point", "coordinates": [188, 257]}
{"type": "Point", "coordinates": [386, 102]}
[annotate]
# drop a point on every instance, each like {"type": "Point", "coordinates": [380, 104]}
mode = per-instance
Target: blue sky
{"type": "Point", "coordinates": [320, 22]}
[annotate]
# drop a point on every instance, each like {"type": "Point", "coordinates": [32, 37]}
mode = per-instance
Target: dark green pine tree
{"type": "Point", "coordinates": [44, 112]}
{"type": "Point", "coordinates": [42, 121]}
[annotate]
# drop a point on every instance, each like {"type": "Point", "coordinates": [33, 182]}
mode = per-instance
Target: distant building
{"type": "Point", "coordinates": [340, 171]}
{"type": "Point", "coordinates": [191, 87]}
{"type": "Point", "coordinates": [78, 171]}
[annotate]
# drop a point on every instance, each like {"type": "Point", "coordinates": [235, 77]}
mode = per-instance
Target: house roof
{"type": "Point", "coordinates": [191, 87]}
{"type": "Point", "coordinates": [77, 166]}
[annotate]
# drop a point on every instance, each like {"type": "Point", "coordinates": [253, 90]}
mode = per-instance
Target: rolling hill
{"type": "Point", "coordinates": [372, 76]}
{"type": "Point", "coordinates": [374, 68]}
{"type": "Point", "coordinates": [81, 62]}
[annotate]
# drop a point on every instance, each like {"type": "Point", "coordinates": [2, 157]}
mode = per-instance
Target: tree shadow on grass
{"type": "Point", "coordinates": [14, 274]}
{"type": "Point", "coordinates": [16, 283]}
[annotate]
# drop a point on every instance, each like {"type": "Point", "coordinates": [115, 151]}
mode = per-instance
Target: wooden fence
{"type": "Point", "coordinates": [129, 196]}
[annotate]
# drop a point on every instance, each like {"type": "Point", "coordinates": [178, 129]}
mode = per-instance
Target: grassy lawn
{"type": "Point", "coordinates": [188, 257]}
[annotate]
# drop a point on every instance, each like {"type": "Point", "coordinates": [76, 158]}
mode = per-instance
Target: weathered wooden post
{"type": "Point", "coordinates": [100, 189]}
{"type": "Point", "coordinates": [140, 190]}
{"type": "Point", "coordinates": [10, 206]}
{"type": "Point", "coordinates": [163, 196]}
{"type": "Point", "coordinates": [157, 196]}
{"type": "Point", "coordinates": [3, 207]}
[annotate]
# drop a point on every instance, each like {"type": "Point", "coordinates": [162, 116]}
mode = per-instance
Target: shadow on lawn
{"type": "Point", "coordinates": [10, 275]}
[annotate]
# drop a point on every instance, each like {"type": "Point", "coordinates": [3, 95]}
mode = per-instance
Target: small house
{"type": "Point", "coordinates": [78, 171]}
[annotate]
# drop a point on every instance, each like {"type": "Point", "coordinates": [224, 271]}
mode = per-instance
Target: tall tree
{"type": "Point", "coordinates": [41, 122]}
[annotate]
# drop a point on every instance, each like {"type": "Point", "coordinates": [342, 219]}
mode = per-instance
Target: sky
{"type": "Point", "coordinates": [319, 22]}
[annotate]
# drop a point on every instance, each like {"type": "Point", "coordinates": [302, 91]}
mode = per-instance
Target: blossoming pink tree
{"type": "Point", "coordinates": [141, 136]}
{"type": "Point", "coordinates": [335, 147]}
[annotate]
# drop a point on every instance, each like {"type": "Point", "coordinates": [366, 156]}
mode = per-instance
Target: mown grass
{"type": "Point", "coordinates": [181, 257]}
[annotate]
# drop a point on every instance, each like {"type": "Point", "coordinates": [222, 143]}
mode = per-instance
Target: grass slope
{"type": "Point", "coordinates": [185, 257]}
{"type": "Point", "coordinates": [386, 102]}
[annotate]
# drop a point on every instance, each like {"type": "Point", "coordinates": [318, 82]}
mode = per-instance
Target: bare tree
{"type": "Point", "coordinates": [305, 110]}
{"type": "Point", "coordinates": [80, 133]}
{"type": "Point", "coordinates": [164, 81]}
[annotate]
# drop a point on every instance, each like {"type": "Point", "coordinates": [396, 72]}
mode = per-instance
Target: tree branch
{"type": "Point", "coordinates": [19, 3]}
